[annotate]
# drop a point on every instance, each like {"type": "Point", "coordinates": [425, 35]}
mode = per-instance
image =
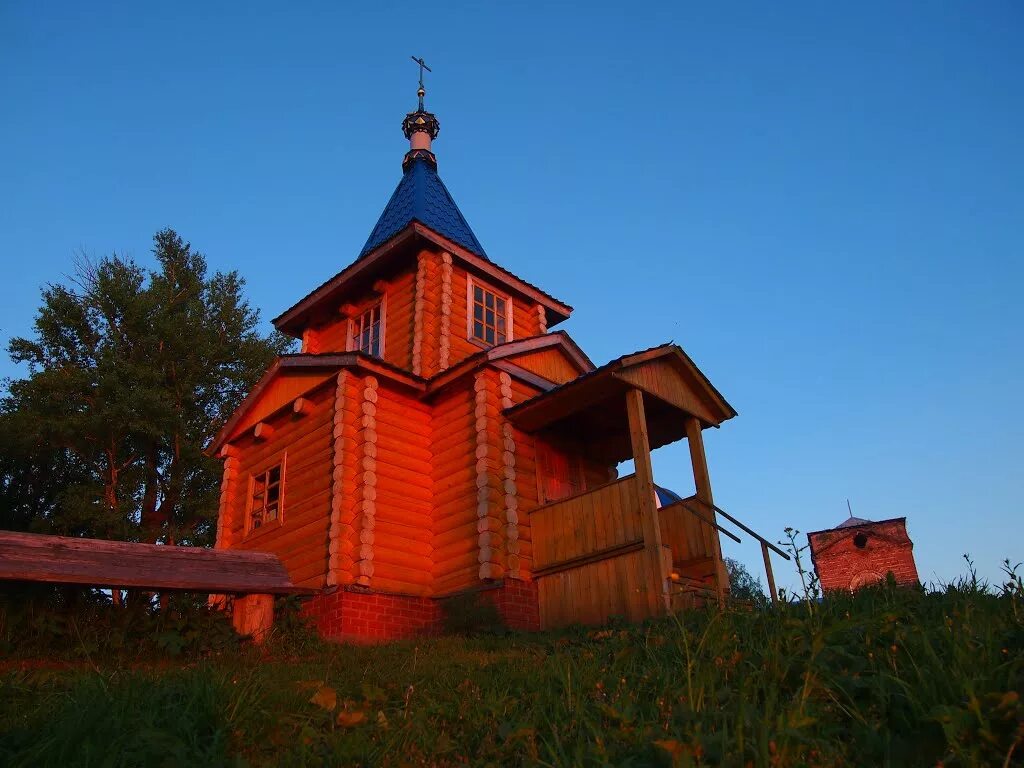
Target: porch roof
{"type": "Point", "coordinates": [592, 407]}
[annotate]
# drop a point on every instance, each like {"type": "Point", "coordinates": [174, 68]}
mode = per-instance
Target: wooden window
{"type": "Point", "coordinates": [368, 331]}
{"type": "Point", "coordinates": [489, 315]}
{"type": "Point", "coordinates": [266, 497]}
{"type": "Point", "coordinates": [559, 473]}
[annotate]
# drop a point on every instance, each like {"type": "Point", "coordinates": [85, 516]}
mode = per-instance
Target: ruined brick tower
{"type": "Point", "coordinates": [859, 552]}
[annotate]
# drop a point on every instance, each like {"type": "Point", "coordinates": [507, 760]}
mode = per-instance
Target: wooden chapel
{"type": "Point", "coordinates": [435, 436]}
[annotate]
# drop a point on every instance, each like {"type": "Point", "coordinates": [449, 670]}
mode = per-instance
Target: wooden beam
{"type": "Point", "coordinates": [590, 557]}
{"type": "Point", "coordinates": [650, 523]}
{"type": "Point", "coordinates": [768, 571]}
{"type": "Point", "coordinates": [702, 481]}
{"type": "Point", "coordinates": [262, 431]}
{"type": "Point", "coordinates": [253, 616]}
{"type": "Point", "coordinates": [100, 563]}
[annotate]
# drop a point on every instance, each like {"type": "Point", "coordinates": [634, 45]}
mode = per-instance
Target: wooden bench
{"type": "Point", "coordinates": [253, 578]}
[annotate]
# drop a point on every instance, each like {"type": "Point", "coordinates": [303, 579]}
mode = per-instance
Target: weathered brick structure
{"type": "Point", "coordinates": [357, 614]}
{"type": "Point", "coordinates": [859, 552]}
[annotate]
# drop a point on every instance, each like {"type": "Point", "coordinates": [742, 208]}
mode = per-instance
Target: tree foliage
{"type": "Point", "coordinates": [742, 583]}
{"type": "Point", "coordinates": [131, 373]}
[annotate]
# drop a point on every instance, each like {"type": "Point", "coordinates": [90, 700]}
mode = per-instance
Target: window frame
{"type": "Point", "coordinates": [472, 283]}
{"type": "Point", "coordinates": [357, 317]}
{"type": "Point", "coordinates": [265, 468]}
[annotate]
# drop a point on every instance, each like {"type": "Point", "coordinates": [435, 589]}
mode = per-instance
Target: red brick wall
{"type": "Point", "coordinates": [518, 605]}
{"type": "Point", "coordinates": [348, 614]}
{"type": "Point", "coordinates": [355, 615]}
{"type": "Point", "coordinates": [841, 564]}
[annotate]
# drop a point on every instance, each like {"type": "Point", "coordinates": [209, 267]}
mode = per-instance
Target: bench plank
{"type": "Point", "coordinates": [100, 563]}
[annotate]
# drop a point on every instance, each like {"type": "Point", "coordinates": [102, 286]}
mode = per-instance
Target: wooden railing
{"type": "Point", "coordinates": [590, 559]}
{"type": "Point", "coordinates": [687, 527]}
{"type": "Point", "coordinates": [591, 526]}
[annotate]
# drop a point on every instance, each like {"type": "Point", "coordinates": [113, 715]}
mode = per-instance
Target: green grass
{"type": "Point", "coordinates": [886, 677]}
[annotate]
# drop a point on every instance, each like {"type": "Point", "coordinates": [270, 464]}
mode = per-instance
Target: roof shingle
{"type": "Point", "coordinates": [423, 197]}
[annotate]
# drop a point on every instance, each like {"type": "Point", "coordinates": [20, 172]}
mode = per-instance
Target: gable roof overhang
{"type": "Point", "coordinates": [369, 266]}
{"type": "Point", "coordinates": [311, 362]}
{"type": "Point", "coordinates": [592, 408]}
{"type": "Point", "coordinates": [502, 356]}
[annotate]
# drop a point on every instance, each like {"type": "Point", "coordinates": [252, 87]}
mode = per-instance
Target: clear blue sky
{"type": "Point", "coordinates": [823, 205]}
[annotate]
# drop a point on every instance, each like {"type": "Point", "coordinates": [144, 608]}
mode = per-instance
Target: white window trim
{"type": "Point", "coordinates": [350, 345]}
{"type": "Point", "coordinates": [470, 282]}
{"type": "Point", "coordinates": [281, 459]}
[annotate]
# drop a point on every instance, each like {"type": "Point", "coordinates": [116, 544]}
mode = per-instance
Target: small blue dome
{"type": "Point", "coordinates": [665, 496]}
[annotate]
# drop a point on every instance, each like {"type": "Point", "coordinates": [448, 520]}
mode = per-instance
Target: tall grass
{"type": "Point", "coordinates": [886, 677]}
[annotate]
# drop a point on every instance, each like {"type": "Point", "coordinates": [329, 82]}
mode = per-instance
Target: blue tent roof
{"type": "Point", "coordinates": [423, 197]}
{"type": "Point", "coordinates": [665, 496]}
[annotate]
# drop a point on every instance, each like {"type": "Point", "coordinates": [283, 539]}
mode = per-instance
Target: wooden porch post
{"type": "Point", "coordinates": [768, 572]}
{"type": "Point", "coordinates": [702, 481]}
{"type": "Point", "coordinates": [253, 615]}
{"type": "Point", "coordinates": [645, 488]}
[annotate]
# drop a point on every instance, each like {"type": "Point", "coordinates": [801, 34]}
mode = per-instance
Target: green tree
{"type": "Point", "coordinates": [131, 373]}
{"type": "Point", "coordinates": [742, 583]}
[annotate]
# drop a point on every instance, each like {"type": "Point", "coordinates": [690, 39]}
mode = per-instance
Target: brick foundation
{"type": "Point", "coordinates": [518, 605]}
{"type": "Point", "coordinates": [357, 615]}
{"type": "Point", "coordinates": [856, 556]}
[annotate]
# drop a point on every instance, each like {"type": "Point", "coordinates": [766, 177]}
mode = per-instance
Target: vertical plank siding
{"type": "Point", "coordinates": [552, 364]}
{"type": "Point", "coordinates": [594, 592]}
{"type": "Point", "coordinates": [689, 537]}
{"type": "Point", "coordinates": [590, 558]}
{"type": "Point", "coordinates": [607, 517]}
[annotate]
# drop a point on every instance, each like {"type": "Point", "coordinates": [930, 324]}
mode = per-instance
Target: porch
{"type": "Point", "coordinates": [613, 550]}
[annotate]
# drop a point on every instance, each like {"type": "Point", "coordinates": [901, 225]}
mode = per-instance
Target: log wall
{"type": "Point", "coordinates": [303, 443]}
{"type": "Point", "coordinates": [278, 393]}
{"type": "Point", "coordinates": [402, 462]}
{"type": "Point", "coordinates": [399, 320]}
{"type": "Point", "coordinates": [455, 534]}
{"type": "Point", "coordinates": [525, 319]}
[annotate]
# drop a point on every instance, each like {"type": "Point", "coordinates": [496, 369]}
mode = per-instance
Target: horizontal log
{"type": "Point", "coordinates": [464, 531]}
{"type": "Point", "coordinates": [457, 580]}
{"type": "Point", "coordinates": [394, 457]}
{"type": "Point", "coordinates": [397, 586]}
{"type": "Point", "coordinates": [411, 574]}
{"type": "Point", "coordinates": [401, 505]}
{"type": "Point", "coordinates": [467, 546]}
{"type": "Point", "coordinates": [463, 564]}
